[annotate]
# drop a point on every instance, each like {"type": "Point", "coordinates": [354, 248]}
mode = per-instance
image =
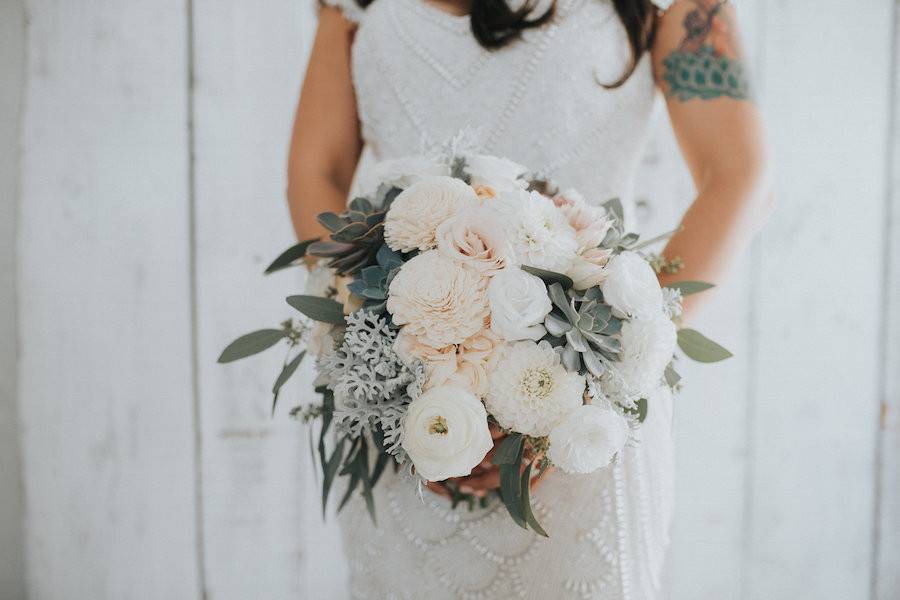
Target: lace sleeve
{"type": "Point", "coordinates": [352, 11]}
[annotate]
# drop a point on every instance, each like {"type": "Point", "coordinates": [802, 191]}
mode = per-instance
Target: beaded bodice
{"type": "Point", "coordinates": [420, 77]}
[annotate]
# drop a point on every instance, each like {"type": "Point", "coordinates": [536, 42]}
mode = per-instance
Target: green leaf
{"type": "Point", "coordinates": [701, 348]}
{"type": "Point", "coordinates": [324, 310]}
{"type": "Point", "coordinates": [550, 277]}
{"type": "Point", "coordinates": [361, 204]}
{"type": "Point", "coordinates": [250, 344]}
{"type": "Point", "coordinates": [511, 493]}
{"type": "Point", "coordinates": [690, 287]}
{"type": "Point", "coordinates": [331, 221]}
{"type": "Point", "coordinates": [283, 377]}
{"type": "Point", "coordinates": [672, 376]}
{"type": "Point", "coordinates": [526, 503]}
{"type": "Point", "coordinates": [288, 257]}
{"type": "Point", "coordinates": [642, 409]}
{"type": "Point", "coordinates": [509, 449]}
{"type": "Point", "coordinates": [330, 471]}
{"type": "Point", "coordinates": [614, 206]}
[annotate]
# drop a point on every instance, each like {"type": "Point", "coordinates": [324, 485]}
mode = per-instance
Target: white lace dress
{"type": "Point", "coordinates": [420, 77]}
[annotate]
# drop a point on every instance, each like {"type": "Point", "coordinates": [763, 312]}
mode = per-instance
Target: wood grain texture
{"type": "Point", "coordinates": [886, 575]}
{"type": "Point", "coordinates": [105, 332]}
{"type": "Point", "coordinates": [12, 70]}
{"type": "Point", "coordinates": [817, 318]}
{"type": "Point", "coordinates": [259, 500]}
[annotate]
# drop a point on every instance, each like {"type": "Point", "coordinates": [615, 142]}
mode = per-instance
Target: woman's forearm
{"type": "Point", "coordinates": [309, 196]}
{"type": "Point", "coordinates": [716, 230]}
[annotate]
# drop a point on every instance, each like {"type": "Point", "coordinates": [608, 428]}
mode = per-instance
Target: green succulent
{"type": "Point", "coordinates": [583, 326]}
{"type": "Point", "coordinates": [356, 235]}
{"type": "Point", "coordinates": [371, 283]}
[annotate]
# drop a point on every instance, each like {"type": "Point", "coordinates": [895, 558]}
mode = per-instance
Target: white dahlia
{"type": "Point", "coordinates": [438, 300]}
{"type": "Point", "coordinates": [538, 231]}
{"type": "Point", "coordinates": [647, 347]}
{"type": "Point", "coordinates": [530, 391]}
{"type": "Point", "coordinates": [445, 433]}
{"type": "Point", "coordinates": [414, 215]}
{"type": "Point", "coordinates": [587, 439]}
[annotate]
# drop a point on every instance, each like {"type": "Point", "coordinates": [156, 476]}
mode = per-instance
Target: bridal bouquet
{"type": "Point", "coordinates": [463, 295]}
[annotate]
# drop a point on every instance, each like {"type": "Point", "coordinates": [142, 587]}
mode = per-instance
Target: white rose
{"type": "Point", "coordinates": [519, 303]}
{"type": "Point", "coordinates": [415, 214]}
{"type": "Point", "coordinates": [475, 239]}
{"type": "Point", "coordinates": [647, 348]}
{"type": "Point", "coordinates": [498, 173]}
{"type": "Point", "coordinates": [587, 439]}
{"type": "Point", "coordinates": [631, 286]}
{"type": "Point", "coordinates": [538, 232]}
{"type": "Point", "coordinates": [445, 433]}
{"type": "Point", "coordinates": [588, 269]}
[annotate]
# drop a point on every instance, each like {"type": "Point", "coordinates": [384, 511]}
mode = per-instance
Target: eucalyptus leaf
{"type": "Point", "coordinates": [701, 348]}
{"type": "Point", "coordinates": [614, 206]}
{"type": "Point", "coordinates": [526, 503]}
{"type": "Point", "coordinates": [511, 493]}
{"type": "Point", "coordinates": [250, 344]}
{"type": "Point", "coordinates": [283, 377]}
{"type": "Point", "coordinates": [288, 257]}
{"type": "Point", "coordinates": [330, 471]}
{"type": "Point", "coordinates": [509, 449]}
{"type": "Point", "coordinates": [672, 376]}
{"type": "Point", "coordinates": [690, 287]}
{"type": "Point", "coordinates": [324, 310]}
{"type": "Point", "coordinates": [641, 409]}
{"type": "Point", "coordinates": [550, 276]}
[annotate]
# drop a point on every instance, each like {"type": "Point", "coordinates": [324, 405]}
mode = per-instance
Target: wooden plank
{"type": "Point", "coordinates": [263, 536]}
{"type": "Point", "coordinates": [887, 570]}
{"type": "Point", "coordinates": [105, 323]}
{"type": "Point", "coordinates": [12, 70]}
{"type": "Point", "coordinates": [817, 322]}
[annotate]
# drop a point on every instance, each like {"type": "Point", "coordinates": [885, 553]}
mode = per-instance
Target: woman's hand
{"type": "Point", "coordinates": [485, 477]}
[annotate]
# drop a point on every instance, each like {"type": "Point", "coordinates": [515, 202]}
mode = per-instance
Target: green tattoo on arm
{"type": "Point", "coordinates": [706, 64]}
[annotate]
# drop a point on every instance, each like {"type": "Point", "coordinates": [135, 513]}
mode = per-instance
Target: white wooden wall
{"type": "Point", "coordinates": [154, 143]}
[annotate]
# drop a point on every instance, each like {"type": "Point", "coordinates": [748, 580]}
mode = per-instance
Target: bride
{"type": "Point", "coordinates": [566, 87]}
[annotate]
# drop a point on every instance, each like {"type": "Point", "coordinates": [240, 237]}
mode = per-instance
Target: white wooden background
{"type": "Point", "coordinates": [152, 180]}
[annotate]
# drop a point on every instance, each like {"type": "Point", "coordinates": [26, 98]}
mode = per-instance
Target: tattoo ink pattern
{"type": "Point", "coordinates": [706, 64]}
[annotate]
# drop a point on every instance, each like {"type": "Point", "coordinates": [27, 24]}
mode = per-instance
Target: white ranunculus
{"type": "Point", "coordinates": [537, 230]}
{"type": "Point", "coordinates": [647, 348]}
{"type": "Point", "coordinates": [530, 391]}
{"type": "Point", "coordinates": [475, 239]}
{"type": "Point", "coordinates": [414, 216]}
{"type": "Point", "coordinates": [500, 174]}
{"type": "Point", "coordinates": [401, 172]}
{"type": "Point", "coordinates": [587, 439]}
{"type": "Point", "coordinates": [631, 286]}
{"type": "Point", "coordinates": [519, 303]}
{"type": "Point", "coordinates": [445, 433]}
{"type": "Point", "coordinates": [438, 300]}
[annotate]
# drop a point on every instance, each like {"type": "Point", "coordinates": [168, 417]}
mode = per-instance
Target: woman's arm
{"type": "Point", "coordinates": [699, 65]}
{"type": "Point", "coordinates": [325, 144]}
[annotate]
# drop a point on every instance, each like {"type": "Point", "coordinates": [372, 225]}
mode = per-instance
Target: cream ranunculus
{"type": "Point", "coordinates": [537, 230]}
{"type": "Point", "coordinates": [498, 173]}
{"type": "Point", "coordinates": [591, 223]}
{"type": "Point", "coordinates": [445, 433]}
{"type": "Point", "coordinates": [530, 391]}
{"type": "Point", "coordinates": [438, 300]}
{"type": "Point", "coordinates": [519, 303]}
{"type": "Point", "coordinates": [647, 347]}
{"type": "Point", "coordinates": [475, 239]}
{"type": "Point", "coordinates": [587, 439]}
{"type": "Point", "coordinates": [415, 214]}
{"type": "Point", "coordinates": [588, 268]}
{"type": "Point", "coordinates": [631, 286]}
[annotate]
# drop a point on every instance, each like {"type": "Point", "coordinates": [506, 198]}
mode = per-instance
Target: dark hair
{"type": "Point", "coordinates": [495, 24]}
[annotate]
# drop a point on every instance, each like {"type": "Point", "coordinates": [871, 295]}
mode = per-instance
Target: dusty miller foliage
{"type": "Point", "coordinates": [372, 386]}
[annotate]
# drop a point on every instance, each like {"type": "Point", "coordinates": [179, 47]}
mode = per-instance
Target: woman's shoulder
{"type": "Point", "coordinates": [352, 10]}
